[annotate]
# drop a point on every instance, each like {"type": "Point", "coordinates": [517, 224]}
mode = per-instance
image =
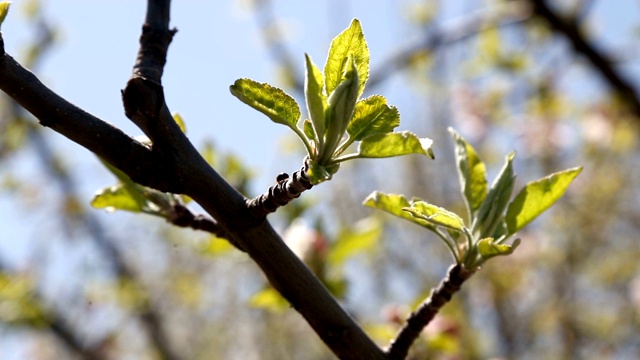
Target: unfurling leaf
{"type": "Point", "coordinates": [269, 100]}
{"type": "Point", "coordinates": [491, 212]}
{"type": "Point", "coordinates": [536, 197]}
{"type": "Point", "coordinates": [394, 144]}
{"type": "Point", "coordinates": [348, 43]}
{"type": "Point", "coordinates": [342, 103]}
{"type": "Point", "coordinates": [316, 100]}
{"type": "Point", "coordinates": [487, 248]}
{"type": "Point", "coordinates": [372, 116]}
{"type": "Point", "coordinates": [436, 215]}
{"type": "Point", "coordinates": [393, 204]}
{"type": "Point", "coordinates": [471, 171]}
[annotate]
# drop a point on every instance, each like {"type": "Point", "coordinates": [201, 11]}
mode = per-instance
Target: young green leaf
{"type": "Point", "coordinates": [393, 204]}
{"type": "Point", "coordinates": [350, 42]}
{"type": "Point", "coordinates": [316, 100]}
{"type": "Point", "coordinates": [471, 171]}
{"type": "Point", "coordinates": [491, 212]}
{"type": "Point", "coordinates": [487, 248]}
{"type": "Point", "coordinates": [118, 197]}
{"type": "Point", "coordinates": [394, 144]}
{"type": "Point", "coordinates": [436, 215]}
{"type": "Point", "coordinates": [269, 100]}
{"type": "Point", "coordinates": [4, 10]}
{"type": "Point", "coordinates": [536, 197]}
{"type": "Point", "coordinates": [372, 116]}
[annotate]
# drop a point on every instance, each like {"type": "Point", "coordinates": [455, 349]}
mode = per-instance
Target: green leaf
{"type": "Point", "coordinates": [487, 248]}
{"type": "Point", "coordinates": [178, 119]}
{"type": "Point", "coordinates": [350, 42]}
{"type": "Point", "coordinates": [4, 10]}
{"type": "Point", "coordinates": [394, 144]}
{"type": "Point", "coordinates": [372, 116]}
{"type": "Point", "coordinates": [491, 212]}
{"type": "Point", "coordinates": [362, 237]}
{"type": "Point", "coordinates": [269, 100]}
{"type": "Point", "coordinates": [537, 196]}
{"type": "Point", "coordinates": [393, 204]}
{"type": "Point", "coordinates": [471, 171]}
{"type": "Point", "coordinates": [316, 100]}
{"type": "Point", "coordinates": [118, 197]}
{"type": "Point", "coordinates": [436, 215]}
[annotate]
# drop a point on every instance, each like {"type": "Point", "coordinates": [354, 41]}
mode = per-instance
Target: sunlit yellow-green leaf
{"type": "Point", "coordinates": [180, 121]}
{"type": "Point", "coordinates": [350, 42]}
{"type": "Point", "coordinates": [471, 171]}
{"type": "Point", "coordinates": [117, 197]}
{"type": "Point", "coordinates": [393, 204]}
{"type": "Point", "coordinates": [372, 116]}
{"type": "Point", "coordinates": [394, 144]}
{"type": "Point", "coordinates": [4, 10]}
{"type": "Point", "coordinates": [269, 100]}
{"type": "Point", "coordinates": [269, 299]}
{"type": "Point", "coordinates": [537, 196]}
{"type": "Point", "coordinates": [487, 248]}
{"type": "Point", "coordinates": [436, 215]}
{"type": "Point", "coordinates": [362, 237]}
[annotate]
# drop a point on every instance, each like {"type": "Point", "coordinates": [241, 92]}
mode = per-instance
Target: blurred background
{"type": "Point", "coordinates": [558, 81]}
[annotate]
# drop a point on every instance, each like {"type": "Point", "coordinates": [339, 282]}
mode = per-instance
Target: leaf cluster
{"type": "Point", "coordinates": [338, 117]}
{"type": "Point", "coordinates": [494, 217]}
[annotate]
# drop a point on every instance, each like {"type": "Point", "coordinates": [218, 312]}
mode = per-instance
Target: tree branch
{"type": "Point", "coordinates": [283, 192]}
{"type": "Point", "coordinates": [599, 60]}
{"type": "Point", "coordinates": [450, 33]}
{"type": "Point", "coordinates": [182, 216]}
{"type": "Point", "coordinates": [420, 318]}
{"type": "Point", "coordinates": [173, 165]}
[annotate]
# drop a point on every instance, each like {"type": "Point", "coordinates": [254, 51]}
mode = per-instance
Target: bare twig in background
{"type": "Point", "coordinates": [600, 61]}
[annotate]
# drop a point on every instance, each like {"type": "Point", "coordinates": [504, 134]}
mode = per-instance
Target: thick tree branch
{"type": "Point", "coordinates": [421, 317]}
{"type": "Point", "coordinates": [283, 192]}
{"type": "Point", "coordinates": [599, 60]}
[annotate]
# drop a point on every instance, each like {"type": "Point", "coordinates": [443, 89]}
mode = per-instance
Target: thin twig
{"type": "Point", "coordinates": [599, 60]}
{"type": "Point", "coordinates": [283, 192]}
{"type": "Point", "coordinates": [450, 33]}
{"type": "Point", "coordinates": [420, 318]}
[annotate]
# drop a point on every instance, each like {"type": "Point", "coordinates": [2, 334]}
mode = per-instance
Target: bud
{"type": "Point", "coordinates": [342, 102]}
